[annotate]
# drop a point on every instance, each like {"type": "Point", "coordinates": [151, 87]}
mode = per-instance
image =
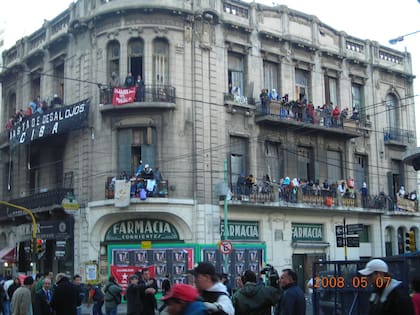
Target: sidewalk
{"type": "Point", "coordinates": [121, 310]}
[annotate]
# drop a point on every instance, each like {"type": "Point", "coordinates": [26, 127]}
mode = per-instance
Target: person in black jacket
{"type": "Point", "coordinates": [42, 299]}
{"type": "Point", "coordinates": [133, 295]}
{"type": "Point", "coordinates": [65, 296]}
{"type": "Point", "coordinates": [390, 297]}
{"type": "Point", "coordinates": [148, 298]}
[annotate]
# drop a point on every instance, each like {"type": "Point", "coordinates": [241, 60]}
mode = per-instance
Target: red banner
{"type": "Point", "coordinates": [122, 274]}
{"type": "Point", "coordinates": [123, 96]}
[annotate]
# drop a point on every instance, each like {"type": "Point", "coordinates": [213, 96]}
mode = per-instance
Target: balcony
{"type": "Point", "coordinates": [235, 102]}
{"type": "Point", "coordinates": [37, 202]}
{"type": "Point", "coordinates": [152, 188]}
{"type": "Point", "coordinates": [399, 137]}
{"type": "Point", "coordinates": [287, 115]}
{"type": "Point", "coordinates": [150, 96]}
{"type": "Point", "coordinates": [303, 197]}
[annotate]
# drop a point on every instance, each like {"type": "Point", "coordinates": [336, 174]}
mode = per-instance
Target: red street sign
{"type": "Point", "coordinates": [225, 247]}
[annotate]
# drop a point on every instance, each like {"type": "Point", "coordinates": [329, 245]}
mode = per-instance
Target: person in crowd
{"type": "Point", "coordinates": [213, 292]}
{"type": "Point", "coordinates": [129, 80]}
{"type": "Point", "coordinates": [147, 172]}
{"type": "Point", "coordinates": [6, 303]}
{"type": "Point", "coordinates": [13, 287]}
{"type": "Point", "coordinates": [415, 284]}
{"type": "Point", "coordinates": [342, 188]}
{"type": "Point", "coordinates": [249, 183]}
{"type": "Point", "coordinates": [112, 293]}
{"type": "Point", "coordinates": [364, 192]}
{"type": "Point", "coordinates": [182, 299]}
{"type": "Point", "coordinates": [133, 295]}
{"type": "Point", "coordinates": [22, 299]}
{"type": "Point", "coordinates": [224, 278]}
{"type": "Point", "coordinates": [293, 299]}
{"type": "Point", "coordinates": [402, 193]}
{"type": "Point", "coordinates": [96, 296]}
{"type": "Point", "coordinates": [166, 285]}
{"type": "Point", "coordinates": [65, 296]}
{"type": "Point", "coordinates": [148, 298]}
{"type": "Point", "coordinates": [56, 101]}
{"type": "Point", "coordinates": [336, 116]}
{"type": "Point", "coordinates": [388, 297]}
{"type": "Point", "coordinates": [157, 175]}
{"type": "Point", "coordinates": [254, 299]}
{"type": "Point", "coordinates": [77, 281]}
{"type": "Point", "coordinates": [140, 89]}
{"type": "Point", "coordinates": [42, 299]}
{"type": "Point", "coordinates": [2, 295]}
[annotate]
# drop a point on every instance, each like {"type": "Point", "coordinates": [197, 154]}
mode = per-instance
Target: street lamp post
{"type": "Point", "coordinates": [29, 212]}
{"type": "Point", "coordinates": [401, 38]}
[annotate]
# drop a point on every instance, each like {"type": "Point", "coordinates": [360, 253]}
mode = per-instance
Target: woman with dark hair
{"type": "Point", "coordinates": [15, 285]}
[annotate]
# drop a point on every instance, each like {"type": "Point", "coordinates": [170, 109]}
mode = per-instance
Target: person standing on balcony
{"type": "Point", "coordinates": [129, 80]}
{"type": "Point", "coordinates": [364, 192]}
{"type": "Point", "coordinates": [140, 89]}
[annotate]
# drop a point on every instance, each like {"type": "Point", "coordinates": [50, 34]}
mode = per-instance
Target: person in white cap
{"type": "Point", "coordinates": [389, 295]}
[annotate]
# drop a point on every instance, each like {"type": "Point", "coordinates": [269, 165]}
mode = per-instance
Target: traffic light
{"type": "Point", "coordinates": [39, 243]}
{"type": "Point", "coordinates": [410, 241]}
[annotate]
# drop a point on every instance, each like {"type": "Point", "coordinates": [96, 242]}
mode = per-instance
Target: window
{"type": "Point", "coordinates": [160, 61]}
{"type": "Point", "coordinates": [392, 117]}
{"type": "Point", "coordinates": [135, 145]}
{"type": "Point", "coordinates": [35, 86]}
{"type": "Point", "coordinates": [331, 93]}
{"type": "Point", "coordinates": [236, 74]}
{"type": "Point", "coordinates": [302, 80]}
{"type": "Point", "coordinates": [364, 234]}
{"type": "Point", "coordinates": [135, 57]}
{"type": "Point", "coordinates": [238, 158]}
{"type": "Point", "coordinates": [357, 100]}
{"type": "Point", "coordinates": [305, 164]}
{"type": "Point", "coordinates": [271, 76]}
{"type": "Point", "coordinates": [334, 166]}
{"type": "Point", "coordinates": [113, 57]}
{"type": "Point", "coordinates": [59, 80]}
{"type": "Point", "coordinates": [274, 160]}
{"type": "Point", "coordinates": [360, 170]}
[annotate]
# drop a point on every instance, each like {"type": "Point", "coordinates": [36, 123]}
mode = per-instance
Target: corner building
{"type": "Point", "coordinates": [201, 118]}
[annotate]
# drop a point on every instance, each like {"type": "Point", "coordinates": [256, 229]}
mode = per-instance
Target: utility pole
{"type": "Point", "coordinates": [225, 213]}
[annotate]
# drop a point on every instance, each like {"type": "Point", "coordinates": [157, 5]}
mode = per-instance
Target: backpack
{"type": "Point", "coordinates": [98, 295]}
{"type": "Point", "coordinates": [117, 297]}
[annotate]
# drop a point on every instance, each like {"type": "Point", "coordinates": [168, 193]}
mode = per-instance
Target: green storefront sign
{"type": "Point", "coordinates": [307, 232]}
{"type": "Point", "coordinates": [241, 230]}
{"type": "Point", "coordinates": [141, 230]}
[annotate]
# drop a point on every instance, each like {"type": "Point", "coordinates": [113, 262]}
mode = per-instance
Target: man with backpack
{"type": "Point", "coordinates": [112, 296]}
{"type": "Point", "coordinates": [213, 292]}
{"type": "Point", "coordinates": [97, 297]}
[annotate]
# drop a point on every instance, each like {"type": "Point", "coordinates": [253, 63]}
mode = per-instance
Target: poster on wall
{"type": "Point", "coordinates": [242, 258]}
{"type": "Point", "coordinates": [161, 261]}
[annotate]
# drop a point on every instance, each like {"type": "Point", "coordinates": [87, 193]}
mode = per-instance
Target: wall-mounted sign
{"type": "Point", "coordinates": [48, 230]}
{"type": "Point", "coordinates": [307, 232]}
{"type": "Point", "coordinates": [241, 230]}
{"type": "Point", "coordinates": [141, 230]}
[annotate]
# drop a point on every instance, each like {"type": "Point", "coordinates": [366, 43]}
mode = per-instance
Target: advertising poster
{"type": "Point", "coordinates": [162, 262]}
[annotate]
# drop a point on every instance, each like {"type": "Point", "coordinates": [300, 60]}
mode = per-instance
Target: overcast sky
{"type": "Point", "coordinates": [365, 19]}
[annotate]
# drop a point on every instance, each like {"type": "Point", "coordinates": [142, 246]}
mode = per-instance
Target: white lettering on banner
{"type": "Point", "coordinates": [42, 125]}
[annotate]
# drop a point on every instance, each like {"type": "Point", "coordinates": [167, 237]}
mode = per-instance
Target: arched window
{"type": "Point", "coordinates": [392, 117]}
{"type": "Point", "coordinates": [136, 57]}
{"type": "Point", "coordinates": [113, 57]}
{"type": "Point", "coordinates": [160, 61]}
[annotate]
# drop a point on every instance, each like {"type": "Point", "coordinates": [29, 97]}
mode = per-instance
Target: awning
{"type": "Point", "coordinates": [7, 254]}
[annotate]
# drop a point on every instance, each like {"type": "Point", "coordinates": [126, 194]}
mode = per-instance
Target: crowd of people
{"type": "Point", "coordinates": [326, 115]}
{"type": "Point", "coordinates": [35, 106]}
{"type": "Point", "coordinates": [208, 294]}
{"type": "Point", "coordinates": [44, 295]}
